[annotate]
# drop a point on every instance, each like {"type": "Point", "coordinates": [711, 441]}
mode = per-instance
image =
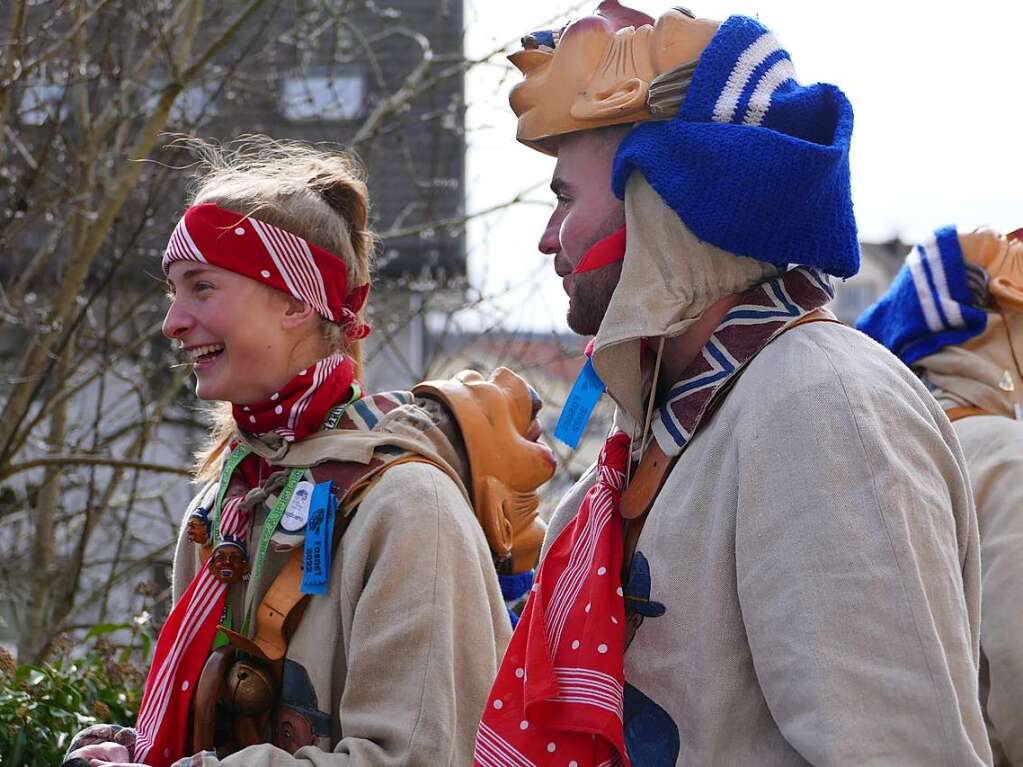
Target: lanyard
{"type": "Point", "coordinates": [238, 455]}
{"type": "Point", "coordinates": [276, 513]}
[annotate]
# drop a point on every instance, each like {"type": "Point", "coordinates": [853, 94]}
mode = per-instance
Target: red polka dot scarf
{"type": "Point", "coordinates": [298, 409]}
{"type": "Point", "coordinates": [558, 695]}
{"type": "Point", "coordinates": [208, 234]}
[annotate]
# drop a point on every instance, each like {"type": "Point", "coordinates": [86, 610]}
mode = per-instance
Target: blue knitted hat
{"type": "Point", "coordinates": [754, 163]}
{"type": "Point", "coordinates": [929, 304]}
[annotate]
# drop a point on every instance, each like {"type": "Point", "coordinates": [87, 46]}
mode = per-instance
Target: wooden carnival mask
{"type": "Point", "coordinates": [506, 463]}
{"type": "Point", "coordinates": [1001, 257]}
{"type": "Point", "coordinates": [598, 71]}
{"type": "Point", "coordinates": [229, 563]}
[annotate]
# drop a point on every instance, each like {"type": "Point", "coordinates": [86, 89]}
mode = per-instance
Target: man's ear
{"type": "Point", "coordinates": [621, 100]}
{"type": "Point", "coordinates": [296, 313]}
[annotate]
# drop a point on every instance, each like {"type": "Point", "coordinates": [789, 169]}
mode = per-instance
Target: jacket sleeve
{"type": "Point", "coordinates": [994, 453]}
{"type": "Point", "coordinates": [186, 561]}
{"type": "Point", "coordinates": [856, 571]}
{"type": "Point", "coordinates": [424, 626]}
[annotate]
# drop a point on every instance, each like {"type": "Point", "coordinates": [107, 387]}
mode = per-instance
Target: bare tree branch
{"type": "Point", "coordinates": [92, 460]}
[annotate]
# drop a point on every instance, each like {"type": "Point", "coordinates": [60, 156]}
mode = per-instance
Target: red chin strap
{"type": "Point", "coordinates": [604, 252]}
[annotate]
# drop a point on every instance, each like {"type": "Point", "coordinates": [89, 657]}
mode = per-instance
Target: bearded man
{"type": "Point", "coordinates": [954, 315]}
{"type": "Point", "coordinates": [798, 578]}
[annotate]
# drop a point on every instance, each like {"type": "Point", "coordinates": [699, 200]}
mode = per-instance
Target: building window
{"type": "Point", "coordinates": [329, 97]}
{"type": "Point", "coordinates": [195, 102]}
{"type": "Point", "coordinates": [40, 102]}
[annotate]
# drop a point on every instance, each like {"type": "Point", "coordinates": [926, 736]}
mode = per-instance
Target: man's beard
{"type": "Point", "coordinates": [592, 291]}
{"type": "Point", "coordinates": [591, 295]}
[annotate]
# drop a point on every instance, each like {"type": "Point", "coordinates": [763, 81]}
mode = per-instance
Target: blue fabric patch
{"type": "Point", "coordinates": [754, 163]}
{"type": "Point", "coordinates": [929, 304]}
{"type": "Point", "coordinates": [367, 415]}
{"type": "Point", "coordinates": [651, 735]}
{"type": "Point", "coordinates": [318, 536]}
{"type": "Point", "coordinates": [586, 392]}
{"type": "Point", "coordinates": [544, 37]}
{"type": "Point", "coordinates": [515, 586]}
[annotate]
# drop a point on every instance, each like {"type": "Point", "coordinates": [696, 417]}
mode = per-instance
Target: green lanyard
{"type": "Point", "coordinates": [273, 519]}
{"type": "Point", "coordinates": [238, 455]}
{"type": "Point", "coordinates": [269, 528]}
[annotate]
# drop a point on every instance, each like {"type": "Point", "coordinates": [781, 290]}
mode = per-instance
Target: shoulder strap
{"type": "Point", "coordinates": [277, 616]}
{"type": "Point", "coordinates": [965, 411]}
{"type": "Point", "coordinates": [655, 466]}
{"type": "Point", "coordinates": [283, 604]}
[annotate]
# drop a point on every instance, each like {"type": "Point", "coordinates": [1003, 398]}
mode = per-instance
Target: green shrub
{"type": "Point", "coordinates": [42, 707]}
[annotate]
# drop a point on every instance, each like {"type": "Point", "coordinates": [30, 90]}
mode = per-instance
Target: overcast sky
{"type": "Point", "coordinates": [937, 90]}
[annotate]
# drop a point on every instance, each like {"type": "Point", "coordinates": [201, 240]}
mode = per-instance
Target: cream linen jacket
{"type": "Point", "coordinates": [396, 661]}
{"type": "Point", "coordinates": [811, 574]}
{"type": "Point", "coordinates": [993, 446]}
{"type": "Point", "coordinates": [975, 374]}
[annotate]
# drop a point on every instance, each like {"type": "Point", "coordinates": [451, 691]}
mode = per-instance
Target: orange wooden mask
{"type": "Point", "coordinates": [1001, 256]}
{"type": "Point", "coordinates": [600, 70]}
{"type": "Point", "coordinates": [506, 463]}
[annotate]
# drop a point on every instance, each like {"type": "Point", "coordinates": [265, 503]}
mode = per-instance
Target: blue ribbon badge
{"type": "Point", "coordinates": [319, 533]}
{"type": "Point", "coordinates": [586, 392]}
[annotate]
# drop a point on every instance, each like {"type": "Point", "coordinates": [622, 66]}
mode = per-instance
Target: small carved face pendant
{"type": "Point", "coordinates": [197, 531]}
{"type": "Point", "coordinates": [229, 564]}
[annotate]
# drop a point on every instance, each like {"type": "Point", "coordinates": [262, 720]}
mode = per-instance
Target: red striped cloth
{"type": "Point", "coordinates": [181, 651]}
{"type": "Point", "coordinates": [209, 234]}
{"type": "Point", "coordinates": [558, 694]}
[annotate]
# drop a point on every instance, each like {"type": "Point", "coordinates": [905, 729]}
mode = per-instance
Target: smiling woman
{"type": "Point", "coordinates": [318, 196]}
{"type": "Point", "coordinates": [291, 609]}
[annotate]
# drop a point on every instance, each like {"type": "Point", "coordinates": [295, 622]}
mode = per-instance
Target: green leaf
{"type": "Point", "coordinates": [101, 629]}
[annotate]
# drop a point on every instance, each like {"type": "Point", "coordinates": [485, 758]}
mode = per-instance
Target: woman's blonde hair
{"type": "Point", "coordinates": [315, 193]}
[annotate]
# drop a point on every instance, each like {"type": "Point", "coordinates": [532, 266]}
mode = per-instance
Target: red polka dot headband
{"type": "Point", "coordinates": [209, 234]}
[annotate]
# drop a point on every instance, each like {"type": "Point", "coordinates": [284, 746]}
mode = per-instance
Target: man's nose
{"type": "Point", "coordinates": [550, 241]}
{"type": "Point", "coordinates": [177, 322]}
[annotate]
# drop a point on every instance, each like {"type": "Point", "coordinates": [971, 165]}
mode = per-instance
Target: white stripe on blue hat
{"type": "Point", "coordinates": [780, 72]}
{"type": "Point", "coordinates": [748, 61]}
{"type": "Point", "coordinates": [948, 307]}
{"type": "Point", "coordinates": [941, 310]}
{"type": "Point", "coordinates": [923, 290]}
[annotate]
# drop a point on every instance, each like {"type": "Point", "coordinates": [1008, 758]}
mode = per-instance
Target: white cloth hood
{"type": "Point", "coordinates": [669, 278]}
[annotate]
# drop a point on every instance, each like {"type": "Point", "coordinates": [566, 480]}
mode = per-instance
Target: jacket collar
{"type": "Point", "coordinates": [760, 315]}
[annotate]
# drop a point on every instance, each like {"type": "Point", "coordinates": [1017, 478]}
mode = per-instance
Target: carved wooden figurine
{"type": "Point", "coordinates": [198, 529]}
{"type": "Point", "coordinates": [229, 563]}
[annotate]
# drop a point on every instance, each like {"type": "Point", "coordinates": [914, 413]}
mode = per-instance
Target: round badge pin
{"type": "Point", "coordinates": [297, 513]}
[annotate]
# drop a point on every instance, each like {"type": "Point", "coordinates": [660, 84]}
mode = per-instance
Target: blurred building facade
{"type": "Point", "coordinates": [879, 262]}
